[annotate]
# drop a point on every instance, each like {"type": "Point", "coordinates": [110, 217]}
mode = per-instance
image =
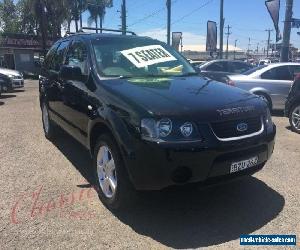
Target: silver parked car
{"type": "Point", "coordinates": [271, 82]}
{"type": "Point", "coordinates": [14, 79]}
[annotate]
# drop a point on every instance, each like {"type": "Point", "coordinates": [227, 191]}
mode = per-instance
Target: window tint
{"type": "Point", "coordinates": [237, 67]}
{"type": "Point", "coordinates": [50, 55]}
{"type": "Point", "coordinates": [55, 56]}
{"type": "Point", "coordinates": [218, 66]}
{"type": "Point", "coordinates": [77, 56]}
{"type": "Point", "coordinates": [279, 73]}
{"type": "Point", "coordinates": [59, 55]}
{"type": "Point", "coordinates": [295, 69]}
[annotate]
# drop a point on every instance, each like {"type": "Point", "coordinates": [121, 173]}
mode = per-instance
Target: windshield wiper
{"type": "Point", "coordinates": [188, 74]}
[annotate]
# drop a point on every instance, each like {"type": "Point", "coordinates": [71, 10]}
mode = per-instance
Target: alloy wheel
{"type": "Point", "coordinates": [45, 116]}
{"type": "Point", "coordinates": [106, 171]}
{"type": "Point", "coordinates": [296, 118]}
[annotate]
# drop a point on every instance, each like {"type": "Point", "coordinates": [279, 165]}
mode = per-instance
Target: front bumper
{"type": "Point", "coordinates": [19, 83]}
{"type": "Point", "coordinates": [154, 166]}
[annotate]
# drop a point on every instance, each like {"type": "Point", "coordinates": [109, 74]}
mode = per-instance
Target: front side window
{"type": "Point", "coordinates": [138, 57]}
{"type": "Point", "coordinates": [78, 57]}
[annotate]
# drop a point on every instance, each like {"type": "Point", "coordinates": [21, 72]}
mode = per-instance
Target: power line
{"type": "Point", "coordinates": [192, 12]}
{"type": "Point", "coordinates": [151, 14]}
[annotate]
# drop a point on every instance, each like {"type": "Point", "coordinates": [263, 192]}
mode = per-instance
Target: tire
{"type": "Point", "coordinates": [109, 172]}
{"type": "Point", "coordinates": [265, 98]}
{"type": "Point", "coordinates": [294, 118]}
{"type": "Point", "coordinates": [48, 126]}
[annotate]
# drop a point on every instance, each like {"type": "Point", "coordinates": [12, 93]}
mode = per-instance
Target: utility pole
{"type": "Point", "coordinates": [169, 22]}
{"type": "Point", "coordinates": [249, 44]}
{"type": "Point", "coordinates": [123, 17]}
{"type": "Point", "coordinates": [287, 31]}
{"type": "Point", "coordinates": [228, 33]}
{"type": "Point", "coordinates": [268, 41]}
{"type": "Point", "coordinates": [221, 27]}
{"type": "Point", "coordinates": [80, 13]}
{"type": "Point", "coordinates": [235, 41]}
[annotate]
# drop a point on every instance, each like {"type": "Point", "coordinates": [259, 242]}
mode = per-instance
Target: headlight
{"type": "Point", "coordinates": [164, 127]}
{"type": "Point", "coordinates": [10, 76]}
{"type": "Point", "coordinates": [168, 130]}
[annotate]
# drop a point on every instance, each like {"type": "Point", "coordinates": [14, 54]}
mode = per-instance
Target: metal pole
{"type": "Point", "coordinates": [124, 25]}
{"type": "Point", "coordinates": [287, 31]}
{"type": "Point", "coordinates": [227, 34]}
{"type": "Point", "coordinates": [80, 13]}
{"type": "Point", "coordinates": [269, 37]}
{"type": "Point", "coordinates": [221, 27]}
{"type": "Point", "coordinates": [234, 49]}
{"type": "Point", "coordinates": [169, 22]}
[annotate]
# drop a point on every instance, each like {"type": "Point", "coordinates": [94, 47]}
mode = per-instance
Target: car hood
{"type": "Point", "coordinates": [9, 72]}
{"type": "Point", "coordinates": [189, 97]}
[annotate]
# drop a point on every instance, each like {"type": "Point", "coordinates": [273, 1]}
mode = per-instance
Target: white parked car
{"type": "Point", "coordinates": [271, 82]}
{"type": "Point", "coordinates": [14, 79]}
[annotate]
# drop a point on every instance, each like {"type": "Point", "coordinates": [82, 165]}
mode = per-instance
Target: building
{"type": "Point", "coordinates": [21, 52]}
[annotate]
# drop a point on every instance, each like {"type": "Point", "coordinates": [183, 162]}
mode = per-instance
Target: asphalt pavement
{"type": "Point", "coordinates": [47, 200]}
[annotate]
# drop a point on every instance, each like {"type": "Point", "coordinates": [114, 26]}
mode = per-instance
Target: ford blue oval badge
{"type": "Point", "coordinates": [242, 127]}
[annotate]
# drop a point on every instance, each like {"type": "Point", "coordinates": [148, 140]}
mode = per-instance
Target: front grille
{"type": "Point", "coordinates": [229, 129]}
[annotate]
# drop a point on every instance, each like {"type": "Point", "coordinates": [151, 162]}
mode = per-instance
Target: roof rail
{"type": "Point", "coordinates": [69, 33]}
{"type": "Point", "coordinates": [103, 29]}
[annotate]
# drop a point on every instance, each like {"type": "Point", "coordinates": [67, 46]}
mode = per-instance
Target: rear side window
{"type": "Point", "coordinates": [78, 56]}
{"type": "Point", "coordinates": [237, 67]}
{"type": "Point", "coordinates": [279, 73]}
{"type": "Point", "coordinates": [218, 66]}
{"type": "Point", "coordinates": [295, 70]}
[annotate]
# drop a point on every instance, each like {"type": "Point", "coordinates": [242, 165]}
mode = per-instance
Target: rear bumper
{"type": "Point", "coordinates": [154, 167]}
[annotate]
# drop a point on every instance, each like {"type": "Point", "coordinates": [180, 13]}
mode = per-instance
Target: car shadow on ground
{"type": "Point", "coordinates": [1, 103]}
{"type": "Point", "coordinates": [6, 96]}
{"type": "Point", "coordinates": [278, 113]}
{"type": "Point", "coordinates": [191, 216]}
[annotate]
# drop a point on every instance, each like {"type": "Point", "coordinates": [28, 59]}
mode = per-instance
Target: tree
{"type": "Point", "coordinates": [28, 23]}
{"type": "Point", "coordinates": [9, 20]}
{"type": "Point", "coordinates": [97, 10]}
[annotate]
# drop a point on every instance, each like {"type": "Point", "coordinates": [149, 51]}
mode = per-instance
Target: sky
{"type": "Point", "coordinates": [248, 18]}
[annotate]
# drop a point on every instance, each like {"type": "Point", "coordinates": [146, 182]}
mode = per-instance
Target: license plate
{"type": "Point", "coordinates": [242, 165]}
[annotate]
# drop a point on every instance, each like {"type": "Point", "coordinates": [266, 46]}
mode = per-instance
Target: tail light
{"type": "Point", "coordinates": [297, 77]}
{"type": "Point", "coordinates": [230, 82]}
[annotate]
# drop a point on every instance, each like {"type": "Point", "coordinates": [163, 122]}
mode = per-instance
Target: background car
{"type": "Point", "coordinates": [13, 79]}
{"type": "Point", "coordinates": [271, 82]}
{"type": "Point", "coordinates": [292, 105]}
{"type": "Point", "coordinates": [219, 69]}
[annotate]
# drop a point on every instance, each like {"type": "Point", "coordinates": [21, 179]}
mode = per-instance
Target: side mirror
{"type": "Point", "coordinates": [70, 73]}
{"type": "Point", "coordinates": [197, 69]}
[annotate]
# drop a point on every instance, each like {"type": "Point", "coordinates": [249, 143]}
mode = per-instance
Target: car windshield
{"type": "Point", "coordinates": [249, 72]}
{"type": "Point", "coordinates": [138, 57]}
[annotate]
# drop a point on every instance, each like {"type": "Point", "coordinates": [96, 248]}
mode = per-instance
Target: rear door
{"type": "Point", "coordinates": [278, 82]}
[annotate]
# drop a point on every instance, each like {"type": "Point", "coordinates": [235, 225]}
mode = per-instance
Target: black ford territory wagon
{"type": "Point", "coordinates": [147, 118]}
